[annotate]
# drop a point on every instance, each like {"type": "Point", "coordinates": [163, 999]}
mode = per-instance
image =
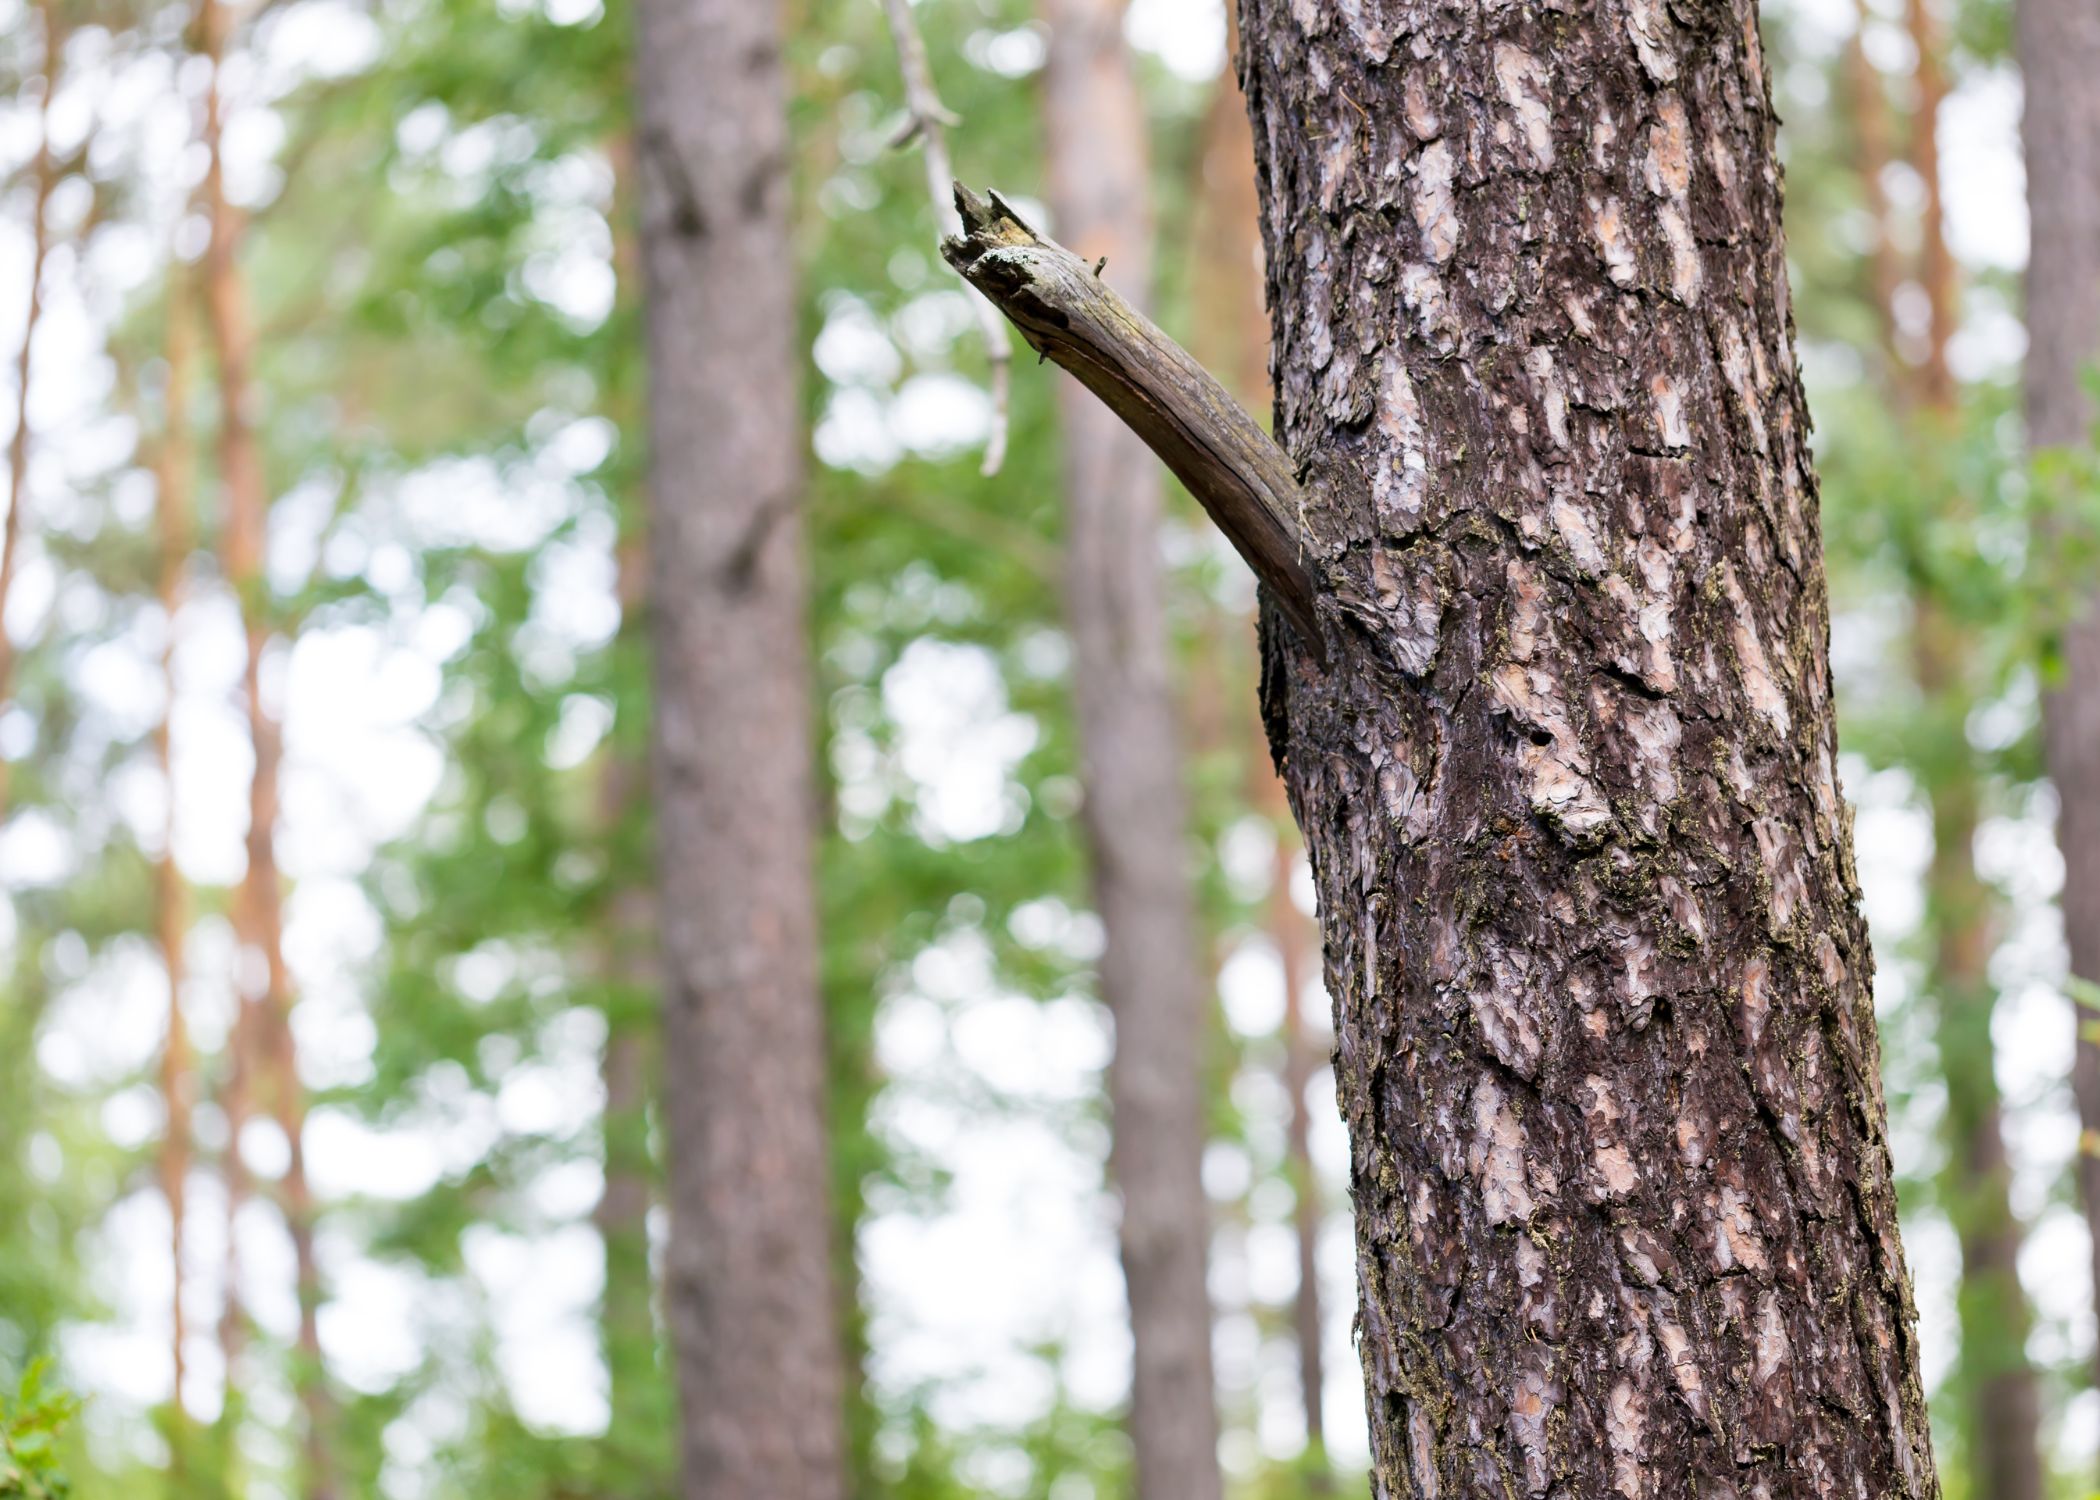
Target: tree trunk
{"type": "Point", "coordinates": [636, 1394]}
{"type": "Point", "coordinates": [44, 171]}
{"type": "Point", "coordinates": [1152, 977]}
{"type": "Point", "coordinates": [627, 1319]}
{"type": "Point", "coordinates": [2059, 48]}
{"type": "Point", "coordinates": [1625, 1215]}
{"type": "Point", "coordinates": [1287, 930]}
{"type": "Point", "coordinates": [1227, 278]}
{"type": "Point", "coordinates": [1999, 1414]}
{"type": "Point", "coordinates": [749, 1286]}
{"type": "Point", "coordinates": [265, 1051]}
{"type": "Point", "coordinates": [174, 471]}
{"type": "Point", "coordinates": [1999, 1402]}
{"type": "Point", "coordinates": [1870, 124]}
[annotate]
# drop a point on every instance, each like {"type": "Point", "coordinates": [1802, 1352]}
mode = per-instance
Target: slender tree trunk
{"type": "Point", "coordinates": [1870, 124]}
{"type": "Point", "coordinates": [2000, 1404]}
{"type": "Point", "coordinates": [1231, 331]}
{"type": "Point", "coordinates": [627, 1319]}
{"type": "Point", "coordinates": [2000, 1401]}
{"type": "Point", "coordinates": [2059, 50]}
{"type": "Point", "coordinates": [1301, 1060]}
{"type": "Point", "coordinates": [1625, 1215]}
{"type": "Point", "coordinates": [749, 1297]}
{"type": "Point", "coordinates": [226, 323]}
{"type": "Point", "coordinates": [1152, 976]}
{"type": "Point", "coordinates": [44, 173]}
{"type": "Point", "coordinates": [1234, 329]}
{"type": "Point", "coordinates": [174, 470]}
{"type": "Point", "coordinates": [265, 1050]}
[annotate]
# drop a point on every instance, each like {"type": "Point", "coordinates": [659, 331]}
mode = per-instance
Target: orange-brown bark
{"type": "Point", "coordinates": [45, 175]}
{"type": "Point", "coordinates": [1870, 123]}
{"type": "Point", "coordinates": [1228, 282]}
{"type": "Point", "coordinates": [173, 471]}
{"type": "Point", "coordinates": [266, 1057]}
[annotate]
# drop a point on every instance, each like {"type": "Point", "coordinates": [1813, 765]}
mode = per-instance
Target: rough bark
{"type": "Point", "coordinates": [173, 469]}
{"type": "Point", "coordinates": [266, 1054]}
{"type": "Point", "coordinates": [1151, 976]}
{"type": "Point", "coordinates": [2059, 51]}
{"type": "Point", "coordinates": [749, 1292]}
{"type": "Point", "coordinates": [1606, 1048]}
{"type": "Point", "coordinates": [44, 176]}
{"type": "Point", "coordinates": [1625, 1214]}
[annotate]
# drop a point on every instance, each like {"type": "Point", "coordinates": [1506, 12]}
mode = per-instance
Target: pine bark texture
{"type": "Point", "coordinates": [1605, 1043]}
{"type": "Point", "coordinates": [748, 1292]}
{"type": "Point", "coordinates": [1152, 976]}
{"type": "Point", "coordinates": [2059, 52]}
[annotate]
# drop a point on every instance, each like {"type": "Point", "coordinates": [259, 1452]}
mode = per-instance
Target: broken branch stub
{"type": "Point", "coordinates": [1067, 313]}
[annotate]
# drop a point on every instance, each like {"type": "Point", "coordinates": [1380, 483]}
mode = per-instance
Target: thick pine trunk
{"type": "Point", "coordinates": [1152, 977]}
{"type": "Point", "coordinates": [2059, 47]}
{"type": "Point", "coordinates": [748, 1283]}
{"type": "Point", "coordinates": [1606, 1048]}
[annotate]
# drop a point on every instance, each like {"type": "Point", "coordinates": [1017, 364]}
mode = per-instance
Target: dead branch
{"type": "Point", "coordinates": [1069, 314]}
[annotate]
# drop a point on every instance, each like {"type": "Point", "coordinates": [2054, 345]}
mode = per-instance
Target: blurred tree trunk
{"type": "Point", "coordinates": [1625, 1214]}
{"type": "Point", "coordinates": [627, 1319]}
{"type": "Point", "coordinates": [174, 472]}
{"type": "Point", "coordinates": [1999, 1414]}
{"type": "Point", "coordinates": [1152, 976]}
{"type": "Point", "coordinates": [1301, 1061]}
{"type": "Point", "coordinates": [175, 534]}
{"type": "Point", "coordinates": [44, 176]}
{"type": "Point", "coordinates": [266, 1055]}
{"type": "Point", "coordinates": [749, 1298]}
{"type": "Point", "coordinates": [638, 1428]}
{"type": "Point", "coordinates": [1233, 337]}
{"type": "Point", "coordinates": [2059, 50]}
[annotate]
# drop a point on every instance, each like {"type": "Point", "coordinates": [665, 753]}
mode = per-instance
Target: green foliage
{"type": "Point", "coordinates": [31, 1426]}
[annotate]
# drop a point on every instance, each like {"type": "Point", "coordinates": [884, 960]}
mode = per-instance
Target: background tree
{"type": "Point", "coordinates": [748, 1278]}
{"type": "Point", "coordinates": [2059, 46]}
{"type": "Point", "coordinates": [1131, 769]}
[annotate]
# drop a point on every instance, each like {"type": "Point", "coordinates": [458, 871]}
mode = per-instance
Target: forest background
{"type": "Point", "coordinates": [448, 1142]}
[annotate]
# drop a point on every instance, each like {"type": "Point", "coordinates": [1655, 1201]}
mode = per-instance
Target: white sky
{"type": "Point", "coordinates": [1023, 1252]}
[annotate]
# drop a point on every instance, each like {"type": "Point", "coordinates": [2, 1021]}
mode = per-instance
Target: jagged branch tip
{"type": "Point", "coordinates": [1068, 313]}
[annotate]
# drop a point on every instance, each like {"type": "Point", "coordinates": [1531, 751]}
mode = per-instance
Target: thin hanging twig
{"type": "Point", "coordinates": [927, 121]}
